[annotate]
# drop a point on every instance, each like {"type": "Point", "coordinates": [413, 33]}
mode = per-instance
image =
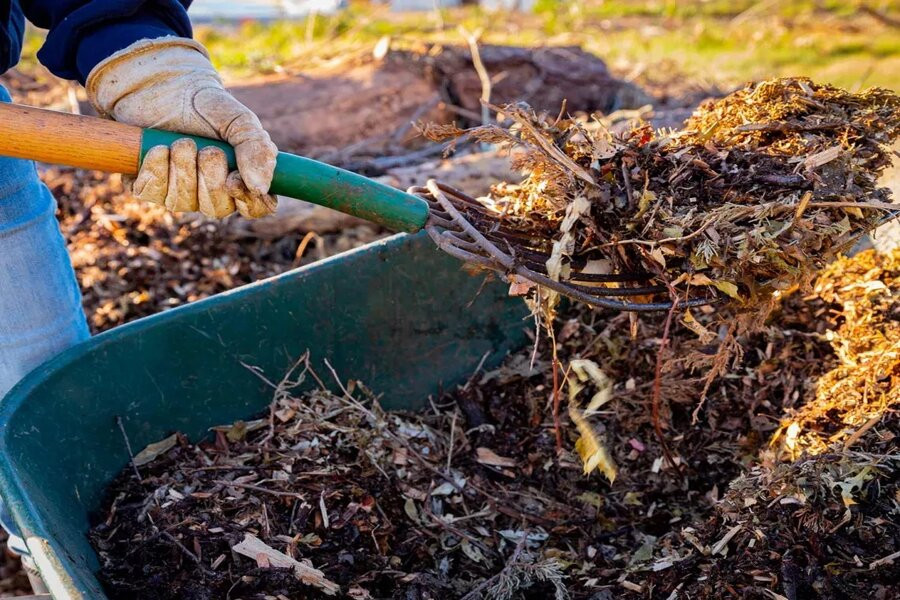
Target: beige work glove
{"type": "Point", "coordinates": [169, 83]}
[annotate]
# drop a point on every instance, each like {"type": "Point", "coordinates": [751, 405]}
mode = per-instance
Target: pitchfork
{"type": "Point", "coordinates": [458, 224]}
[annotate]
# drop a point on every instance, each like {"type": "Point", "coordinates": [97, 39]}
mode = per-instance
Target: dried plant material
{"type": "Point", "coordinates": [757, 192]}
{"type": "Point", "coordinates": [720, 546]}
{"type": "Point", "coordinates": [590, 447]}
{"type": "Point", "coordinates": [587, 370]}
{"type": "Point", "coordinates": [155, 450]}
{"type": "Point", "coordinates": [819, 523]}
{"type": "Point", "coordinates": [486, 456]}
{"type": "Point", "coordinates": [863, 292]}
{"type": "Point", "coordinates": [252, 547]}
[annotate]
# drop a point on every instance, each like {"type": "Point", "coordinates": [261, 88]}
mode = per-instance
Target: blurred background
{"type": "Point", "coordinates": [344, 81]}
{"type": "Point", "coordinates": [847, 43]}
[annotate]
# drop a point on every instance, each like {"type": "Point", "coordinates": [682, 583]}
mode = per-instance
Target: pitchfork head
{"type": "Point", "coordinates": [462, 227]}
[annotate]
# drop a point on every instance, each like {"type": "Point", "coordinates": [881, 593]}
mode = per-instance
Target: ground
{"type": "Point", "coordinates": [134, 260]}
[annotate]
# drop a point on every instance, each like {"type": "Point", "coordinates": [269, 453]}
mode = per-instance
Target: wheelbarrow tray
{"type": "Point", "coordinates": [397, 315]}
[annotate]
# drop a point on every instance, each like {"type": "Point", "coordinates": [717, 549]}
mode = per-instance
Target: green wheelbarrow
{"type": "Point", "coordinates": [398, 315]}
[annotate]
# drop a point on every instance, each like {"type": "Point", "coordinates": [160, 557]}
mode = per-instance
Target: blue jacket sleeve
{"type": "Point", "coordinates": [84, 32]}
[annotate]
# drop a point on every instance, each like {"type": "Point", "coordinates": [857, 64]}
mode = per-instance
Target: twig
{"type": "Point", "coordinates": [626, 178]}
{"type": "Point", "coordinates": [890, 558]}
{"type": "Point", "coordinates": [876, 205]}
{"type": "Point", "coordinates": [463, 112]}
{"type": "Point", "coordinates": [381, 164]}
{"type": "Point", "coordinates": [551, 333]}
{"type": "Point", "coordinates": [879, 16]}
{"type": "Point", "coordinates": [457, 531]}
{"type": "Point", "coordinates": [476, 592]}
{"type": "Point", "coordinates": [420, 112]}
{"type": "Point", "coordinates": [257, 488]}
{"type": "Point", "coordinates": [301, 249]}
{"type": "Point", "coordinates": [862, 430]}
{"type": "Point", "coordinates": [557, 426]}
{"type": "Point", "coordinates": [657, 385]}
{"type": "Point", "coordinates": [450, 445]}
{"type": "Point", "coordinates": [356, 403]}
{"type": "Point", "coordinates": [476, 371]}
{"type": "Point", "coordinates": [187, 552]}
{"type": "Point", "coordinates": [121, 425]}
{"type": "Point", "coordinates": [537, 327]}
{"type": "Point", "coordinates": [483, 76]}
{"type": "Point", "coordinates": [553, 151]}
{"type": "Point", "coordinates": [258, 372]}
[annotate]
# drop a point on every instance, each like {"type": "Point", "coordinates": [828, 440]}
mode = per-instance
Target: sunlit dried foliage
{"type": "Point", "coordinates": [864, 294]}
{"type": "Point", "coordinates": [758, 191]}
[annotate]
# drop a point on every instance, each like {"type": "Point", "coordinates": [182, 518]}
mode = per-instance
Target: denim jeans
{"type": "Point", "coordinates": [40, 304]}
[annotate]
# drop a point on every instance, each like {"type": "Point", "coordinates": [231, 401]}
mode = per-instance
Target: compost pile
{"type": "Point", "coordinates": [472, 499]}
{"type": "Point", "coordinates": [857, 391]}
{"type": "Point", "coordinates": [819, 512]}
{"type": "Point", "coordinates": [757, 192]}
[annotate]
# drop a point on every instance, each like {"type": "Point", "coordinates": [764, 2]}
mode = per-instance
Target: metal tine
{"type": "Point", "coordinates": [453, 238]}
{"type": "Point", "coordinates": [453, 232]}
{"type": "Point", "coordinates": [501, 234]}
{"type": "Point", "coordinates": [536, 260]}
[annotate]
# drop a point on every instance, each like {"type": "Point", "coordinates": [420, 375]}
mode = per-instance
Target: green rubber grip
{"type": "Point", "coordinates": [325, 185]}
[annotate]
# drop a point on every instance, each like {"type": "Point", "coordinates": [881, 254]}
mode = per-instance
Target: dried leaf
{"type": "Point", "coordinates": [657, 255]}
{"type": "Point", "coordinates": [590, 447]}
{"type": "Point", "coordinates": [853, 484]}
{"type": "Point", "coordinates": [472, 551]}
{"type": "Point", "coordinates": [706, 336]}
{"type": "Point", "coordinates": [588, 370]}
{"type": "Point", "coordinates": [155, 450]}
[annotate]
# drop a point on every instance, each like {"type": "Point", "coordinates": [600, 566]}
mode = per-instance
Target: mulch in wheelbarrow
{"type": "Point", "coordinates": [775, 487]}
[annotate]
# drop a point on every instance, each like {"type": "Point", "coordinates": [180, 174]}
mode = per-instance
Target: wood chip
{"type": "Point", "coordinates": [890, 558]}
{"type": "Point", "coordinates": [255, 548]}
{"type": "Point", "coordinates": [818, 159]}
{"type": "Point", "coordinates": [722, 544]}
{"type": "Point", "coordinates": [486, 456]}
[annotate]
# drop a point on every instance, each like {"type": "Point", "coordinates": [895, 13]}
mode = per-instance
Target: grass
{"type": "Point", "coordinates": [719, 41]}
{"type": "Point", "coordinates": [726, 42]}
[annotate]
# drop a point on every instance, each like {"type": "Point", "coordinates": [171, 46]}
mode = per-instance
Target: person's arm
{"type": "Point", "coordinates": [81, 33]}
{"type": "Point", "coordinates": [140, 67]}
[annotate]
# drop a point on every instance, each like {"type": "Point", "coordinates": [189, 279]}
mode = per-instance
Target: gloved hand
{"type": "Point", "coordinates": [169, 83]}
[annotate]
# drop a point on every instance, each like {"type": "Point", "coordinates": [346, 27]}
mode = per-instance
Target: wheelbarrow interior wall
{"type": "Point", "coordinates": [397, 315]}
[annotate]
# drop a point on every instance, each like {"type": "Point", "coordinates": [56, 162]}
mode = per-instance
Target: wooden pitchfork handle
{"type": "Point", "coordinates": [99, 144]}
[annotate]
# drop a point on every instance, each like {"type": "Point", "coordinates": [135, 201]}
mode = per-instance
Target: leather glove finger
{"type": "Point", "coordinates": [254, 150]}
{"type": "Point", "coordinates": [250, 205]}
{"type": "Point", "coordinates": [212, 195]}
{"type": "Point", "coordinates": [181, 195]}
{"type": "Point", "coordinates": [152, 181]}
